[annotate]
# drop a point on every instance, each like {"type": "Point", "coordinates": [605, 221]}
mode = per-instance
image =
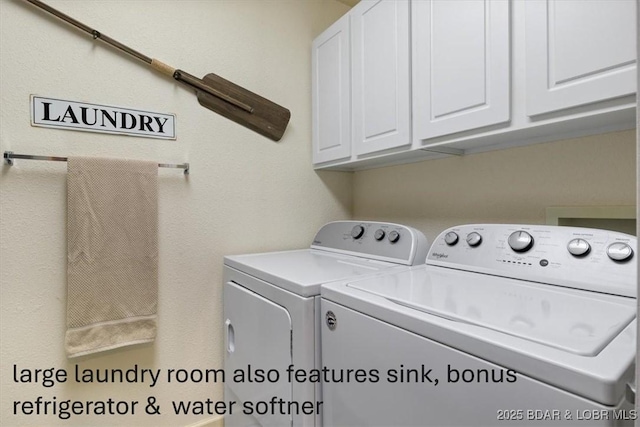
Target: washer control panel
{"type": "Point", "coordinates": [377, 240]}
{"type": "Point", "coordinates": [583, 258]}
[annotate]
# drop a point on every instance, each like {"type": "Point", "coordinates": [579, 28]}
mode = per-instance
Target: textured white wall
{"type": "Point", "coordinates": [246, 193]}
{"type": "Point", "coordinates": [508, 186]}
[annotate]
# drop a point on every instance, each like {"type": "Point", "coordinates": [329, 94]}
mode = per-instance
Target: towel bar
{"type": "Point", "coordinates": [9, 156]}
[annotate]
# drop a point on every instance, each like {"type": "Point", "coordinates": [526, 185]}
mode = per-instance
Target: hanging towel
{"type": "Point", "coordinates": [112, 253]}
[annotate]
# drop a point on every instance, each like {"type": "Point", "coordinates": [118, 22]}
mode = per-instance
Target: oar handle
{"type": "Point", "coordinates": [87, 29]}
{"type": "Point", "coordinates": [179, 75]}
{"type": "Point", "coordinates": [184, 77]}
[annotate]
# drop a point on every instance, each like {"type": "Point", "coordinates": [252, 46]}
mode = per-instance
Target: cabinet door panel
{"type": "Point", "coordinates": [331, 93]}
{"type": "Point", "coordinates": [579, 52]}
{"type": "Point", "coordinates": [461, 65]}
{"type": "Point", "coordinates": [381, 79]}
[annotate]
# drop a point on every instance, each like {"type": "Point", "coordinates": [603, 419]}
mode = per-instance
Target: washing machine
{"type": "Point", "coordinates": [503, 325]}
{"type": "Point", "coordinates": [271, 308]}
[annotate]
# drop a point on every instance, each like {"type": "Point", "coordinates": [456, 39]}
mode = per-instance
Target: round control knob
{"type": "Point", "coordinates": [394, 236]}
{"type": "Point", "coordinates": [578, 247]}
{"type": "Point", "coordinates": [451, 238]}
{"type": "Point", "coordinates": [520, 241]}
{"type": "Point", "coordinates": [379, 234]}
{"type": "Point", "coordinates": [474, 239]}
{"type": "Point", "coordinates": [620, 252]}
{"type": "Point", "coordinates": [357, 231]}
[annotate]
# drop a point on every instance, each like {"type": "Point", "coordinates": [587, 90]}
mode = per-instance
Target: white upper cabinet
{"type": "Point", "coordinates": [461, 65]}
{"type": "Point", "coordinates": [381, 75]}
{"type": "Point", "coordinates": [578, 52]}
{"type": "Point", "coordinates": [398, 81]}
{"type": "Point", "coordinates": [331, 93]}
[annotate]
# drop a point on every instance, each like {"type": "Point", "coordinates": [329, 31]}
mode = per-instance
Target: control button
{"type": "Point", "coordinates": [520, 241]}
{"type": "Point", "coordinates": [394, 236]}
{"type": "Point", "coordinates": [451, 238]}
{"type": "Point", "coordinates": [620, 251]}
{"type": "Point", "coordinates": [357, 231]}
{"type": "Point", "coordinates": [379, 235]}
{"type": "Point", "coordinates": [578, 247]}
{"type": "Point", "coordinates": [544, 262]}
{"type": "Point", "coordinates": [474, 239]}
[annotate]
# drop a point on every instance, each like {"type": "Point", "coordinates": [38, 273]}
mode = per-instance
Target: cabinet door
{"type": "Point", "coordinates": [579, 52]}
{"type": "Point", "coordinates": [331, 93]}
{"type": "Point", "coordinates": [381, 75]}
{"type": "Point", "coordinates": [461, 65]}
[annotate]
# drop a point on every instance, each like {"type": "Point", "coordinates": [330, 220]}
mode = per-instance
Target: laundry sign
{"type": "Point", "coordinates": [73, 115]}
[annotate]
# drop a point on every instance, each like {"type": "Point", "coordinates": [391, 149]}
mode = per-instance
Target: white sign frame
{"type": "Point", "coordinates": [84, 116]}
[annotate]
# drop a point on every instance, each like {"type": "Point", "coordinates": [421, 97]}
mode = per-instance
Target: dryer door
{"type": "Point", "coordinates": [257, 354]}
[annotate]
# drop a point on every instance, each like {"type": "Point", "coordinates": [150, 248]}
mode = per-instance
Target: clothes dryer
{"type": "Point", "coordinates": [503, 325]}
{"type": "Point", "coordinates": [271, 308]}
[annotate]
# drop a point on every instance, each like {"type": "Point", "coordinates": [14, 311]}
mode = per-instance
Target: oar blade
{"type": "Point", "coordinates": [267, 118]}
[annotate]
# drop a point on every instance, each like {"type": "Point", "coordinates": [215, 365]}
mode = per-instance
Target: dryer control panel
{"type": "Point", "coordinates": [376, 240]}
{"type": "Point", "coordinates": [582, 258]}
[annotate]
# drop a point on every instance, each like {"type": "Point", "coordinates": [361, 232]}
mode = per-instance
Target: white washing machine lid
{"type": "Point", "coordinates": [303, 271]}
{"type": "Point", "coordinates": [549, 315]}
{"type": "Point", "coordinates": [577, 340]}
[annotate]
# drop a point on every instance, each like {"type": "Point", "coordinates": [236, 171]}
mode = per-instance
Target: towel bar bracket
{"type": "Point", "coordinates": [9, 157]}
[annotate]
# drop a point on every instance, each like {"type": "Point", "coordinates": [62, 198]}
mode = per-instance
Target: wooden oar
{"type": "Point", "coordinates": [215, 93]}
